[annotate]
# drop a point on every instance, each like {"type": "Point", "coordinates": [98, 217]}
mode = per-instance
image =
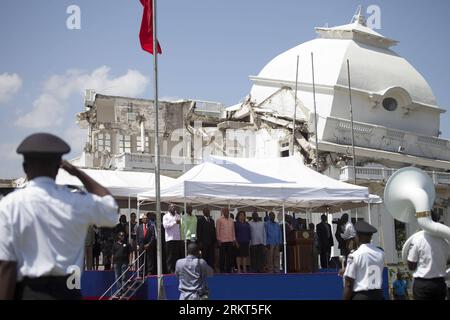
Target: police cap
{"type": "Point", "coordinates": [363, 227]}
{"type": "Point", "coordinates": [43, 145]}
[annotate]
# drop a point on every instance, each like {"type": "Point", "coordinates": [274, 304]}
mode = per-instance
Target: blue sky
{"type": "Point", "coordinates": [210, 47]}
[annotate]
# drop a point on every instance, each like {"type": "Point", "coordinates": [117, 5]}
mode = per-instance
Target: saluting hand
{"type": "Point", "coordinates": [71, 169]}
{"type": "Point", "coordinates": [90, 184]}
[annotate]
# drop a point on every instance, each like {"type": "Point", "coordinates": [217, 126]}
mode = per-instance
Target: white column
{"type": "Point", "coordinates": [142, 137]}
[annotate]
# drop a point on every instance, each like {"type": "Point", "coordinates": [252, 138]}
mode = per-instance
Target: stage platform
{"type": "Point", "coordinates": [323, 285]}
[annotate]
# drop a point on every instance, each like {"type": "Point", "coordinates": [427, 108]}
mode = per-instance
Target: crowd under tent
{"type": "Point", "coordinates": [242, 182]}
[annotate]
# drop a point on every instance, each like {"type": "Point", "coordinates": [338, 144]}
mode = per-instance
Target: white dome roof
{"type": "Point", "coordinates": [374, 67]}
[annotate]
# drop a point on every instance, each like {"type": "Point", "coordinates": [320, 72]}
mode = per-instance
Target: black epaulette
{"type": "Point", "coordinates": [381, 248]}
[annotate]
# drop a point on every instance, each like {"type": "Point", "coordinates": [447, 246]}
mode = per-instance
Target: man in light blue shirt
{"type": "Point", "coordinates": [273, 241]}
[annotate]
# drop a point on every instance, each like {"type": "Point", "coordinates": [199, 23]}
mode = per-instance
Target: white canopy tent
{"type": "Point", "coordinates": [259, 182]}
{"type": "Point", "coordinates": [119, 183]}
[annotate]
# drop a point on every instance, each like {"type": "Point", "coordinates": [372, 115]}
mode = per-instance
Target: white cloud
{"type": "Point", "coordinates": [47, 111]}
{"type": "Point", "coordinates": [50, 107]}
{"type": "Point", "coordinates": [10, 84]}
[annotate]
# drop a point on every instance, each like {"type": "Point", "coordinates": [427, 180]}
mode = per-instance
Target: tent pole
{"type": "Point", "coordinates": [379, 227]}
{"type": "Point", "coordinates": [129, 219]}
{"type": "Point", "coordinates": [138, 217]}
{"type": "Point", "coordinates": [309, 217]}
{"type": "Point", "coordinates": [184, 228]}
{"type": "Point", "coordinates": [284, 243]}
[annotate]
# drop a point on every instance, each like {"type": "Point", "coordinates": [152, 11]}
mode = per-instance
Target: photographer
{"type": "Point", "coordinates": [192, 272]}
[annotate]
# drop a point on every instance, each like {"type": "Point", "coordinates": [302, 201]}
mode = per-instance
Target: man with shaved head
{"type": "Point", "coordinates": [171, 223]}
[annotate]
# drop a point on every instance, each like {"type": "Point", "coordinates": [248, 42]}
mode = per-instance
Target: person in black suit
{"type": "Point", "coordinates": [325, 237]}
{"type": "Point", "coordinates": [146, 241]}
{"type": "Point", "coordinates": [206, 236]}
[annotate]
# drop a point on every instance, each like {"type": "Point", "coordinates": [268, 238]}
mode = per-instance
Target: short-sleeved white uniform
{"type": "Point", "coordinates": [365, 266]}
{"type": "Point", "coordinates": [431, 254]}
{"type": "Point", "coordinates": [43, 227]}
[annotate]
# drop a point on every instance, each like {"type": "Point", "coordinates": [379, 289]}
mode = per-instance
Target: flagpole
{"type": "Point", "coordinates": [157, 176]}
{"type": "Point", "coordinates": [353, 132]}
{"type": "Point", "coordinates": [315, 112]}
{"type": "Point", "coordinates": [295, 109]}
{"type": "Point", "coordinates": [351, 120]}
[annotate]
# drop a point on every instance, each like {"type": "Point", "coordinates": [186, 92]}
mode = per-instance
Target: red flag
{"type": "Point", "coordinates": [146, 33]}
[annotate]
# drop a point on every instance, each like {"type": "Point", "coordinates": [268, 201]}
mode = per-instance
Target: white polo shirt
{"type": "Point", "coordinates": [349, 231]}
{"type": "Point", "coordinates": [431, 254]}
{"type": "Point", "coordinates": [365, 266]}
{"type": "Point", "coordinates": [171, 227]}
{"type": "Point", "coordinates": [43, 227]}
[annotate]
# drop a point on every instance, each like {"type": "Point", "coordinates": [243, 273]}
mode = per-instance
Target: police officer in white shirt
{"type": "Point", "coordinates": [43, 226]}
{"type": "Point", "coordinates": [447, 281]}
{"type": "Point", "coordinates": [427, 258]}
{"type": "Point", "coordinates": [364, 271]}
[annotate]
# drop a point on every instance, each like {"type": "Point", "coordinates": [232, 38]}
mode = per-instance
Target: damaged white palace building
{"type": "Point", "coordinates": [396, 122]}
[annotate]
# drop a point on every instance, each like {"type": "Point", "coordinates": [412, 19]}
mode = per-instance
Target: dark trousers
{"type": "Point", "coordinates": [208, 254]}
{"type": "Point", "coordinates": [226, 257]}
{"type": "Point", "coordinates": [46, 288]}
{"type": "Point", "coordinates": [148, 259]}
{"type": "Point", "coordinates": [368, 295]}
{"type": "Point", "coordinates": [429, 289]}
{"type": "Point", "coordinates": [325, 257]}
{"type": "Point", "coordinates": [257, 258]}
{"type": "Point", "coordinates": [119, 268]}
{"type": "Point", "coordinates": [174, 252]}
{"type": "Point", "coordinates": [153, 265]}
{"type": "Point", "coordinates": [349, 246]}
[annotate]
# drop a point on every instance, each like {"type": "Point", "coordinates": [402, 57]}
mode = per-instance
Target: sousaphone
{"type": "Point", "coordinates": [409, 196]}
